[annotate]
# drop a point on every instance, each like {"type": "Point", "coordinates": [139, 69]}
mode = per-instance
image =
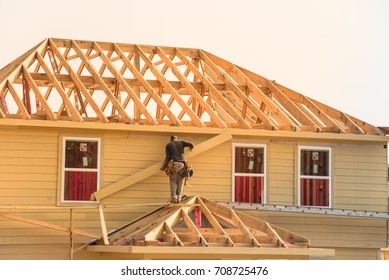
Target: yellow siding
{"type": "Point", "coordinates": [123, 157]}
{"type": "Point", "coordinates": [360, 178]}
{"type": "Point", "coordinates": [281, 172]}
{"type": "Point", "coordinates": [359, 235]}
{"type": "Point", "coordinates": [29, 169]}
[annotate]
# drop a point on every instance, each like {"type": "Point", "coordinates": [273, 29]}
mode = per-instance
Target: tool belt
{"type": "Point", "coordinates": [187, 171]}
{"type": "Point", "coordinates": [169, 167]}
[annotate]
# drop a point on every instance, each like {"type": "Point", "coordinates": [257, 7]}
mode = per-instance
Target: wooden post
{"type": "Point", "coordinates": [103, 225]}
{"type": "Point", "coordinates": [71, 233]}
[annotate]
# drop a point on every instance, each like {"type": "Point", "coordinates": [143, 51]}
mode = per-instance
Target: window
{"type": "Point", "coordinates": [314, 176]}
{"type": "Point", "coordinates": [249, 173]}
{"type": "Point", "coordinates": [80, 175]}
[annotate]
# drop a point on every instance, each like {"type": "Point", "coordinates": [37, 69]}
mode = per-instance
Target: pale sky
{"type": "Point", "coordinates": [335, 51]}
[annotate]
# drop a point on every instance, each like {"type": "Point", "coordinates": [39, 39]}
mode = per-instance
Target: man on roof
{"type": "Point", "coordinates": [174, 164]}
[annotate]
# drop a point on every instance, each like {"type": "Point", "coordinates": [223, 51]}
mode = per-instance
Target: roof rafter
{"type": "Point", "coordinates": [195, 119]}
{"type": "Point", "coordinates": [217, 96]}
{"type": "Point", "coordinates": [105, 88]}
{"type": "Point", "coordinates": [146, 85]}
{"type": "Point", "coordinates": [124, 84]}
{"type": "Point", "coordinates": [80, 86]}
{"type": "Point", "coordinates": [75, 114]}
{"type": "Point", "coordinates": [190, 89]}
{"type": "Point", "coordinates": [93, 81]}
{"type": "Point", "coordinates": [254, 107]}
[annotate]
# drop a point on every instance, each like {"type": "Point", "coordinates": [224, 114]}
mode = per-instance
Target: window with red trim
{"type": "Point", "coordinates": [81, 169]}
{"type": "Point", "coordinates": [249, 174]}
{"type": "Point", "coordinates": [314, 179]}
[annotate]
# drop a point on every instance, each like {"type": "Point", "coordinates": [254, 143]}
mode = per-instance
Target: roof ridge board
{"type": "Point", "coordinates": [63, 42]}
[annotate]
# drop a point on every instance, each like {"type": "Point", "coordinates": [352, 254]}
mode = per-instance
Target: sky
{"type": "Point", "coordinates": [334, 51]}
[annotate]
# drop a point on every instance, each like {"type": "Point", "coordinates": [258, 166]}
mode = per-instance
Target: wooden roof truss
{"type": "Point", "coordinates": [85, 81]}
{"type": "Point", "coordinates": [203, 223]}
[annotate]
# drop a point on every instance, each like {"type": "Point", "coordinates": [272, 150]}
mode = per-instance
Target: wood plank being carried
{"type": "Point", "coordinates": [151, 170]}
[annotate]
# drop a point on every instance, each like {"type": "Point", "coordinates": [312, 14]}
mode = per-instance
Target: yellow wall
{"type": "Point", "coordinates": [29, 176]}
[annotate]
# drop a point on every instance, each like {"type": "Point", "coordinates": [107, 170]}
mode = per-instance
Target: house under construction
{"type": "Point", "coordinates": [84, 126]}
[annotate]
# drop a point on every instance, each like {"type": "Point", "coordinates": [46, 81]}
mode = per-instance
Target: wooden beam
{"type": "Point", "coordinates": [19, 102]}
{"type": "Point", "coordinates": [74, 113]}
{"type": "Point", "coordinates": [13, 70]}
{"type": "Point", "coordinates": [291, 107]}
{"type": "Point", "coordinates": [169, 230]}
{"type": "Point", "coordinates": [124, 84]}
{"type": "Point", "coordinates": [212, 220]}
{"type": "Point", "coordinates": [232, 85]}
{"type": "Point", "coordinates": [191, 226]}
{"type": "Point", "coordinates": [151, 170]}
{"type": "Point", "coordinates": [47, 225]}
{"type": "Point", "coordinates": [105, 88]}
{"type": "Point", "coordinates": [103, 225]}
{"type": "Point", "coordinates": [256, 94]}
{"type": "Point", "coordinates": [271, 231]}
{"type": "Point", "coordinates": [313, 108]}
{"type": "Point", "coordinates": [195, 119]}
{"type": "Point", "coordinates": [134, 70]}
{"type": "Point", "coordinates": [190, 89]}
{"type": "Point", "coordinates": [48, 111]}
{"type": "Point", "coordinates": [78, 83]}
{"type": "Point", "coordinates": [216, 95]}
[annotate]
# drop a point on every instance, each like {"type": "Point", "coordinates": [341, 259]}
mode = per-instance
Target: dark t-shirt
{"type": "Point", "coordinates": [175, 151]}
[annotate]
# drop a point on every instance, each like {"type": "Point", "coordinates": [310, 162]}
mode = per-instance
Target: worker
{"type": "Point", "coordinates": [174, 156]}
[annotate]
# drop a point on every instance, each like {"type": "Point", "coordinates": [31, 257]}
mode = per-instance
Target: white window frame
{"type": "Point", "coordinates": [64, 169]}
{"type": "Point", "coordinates": [329, 177]}
{"type": "Point", "coordinates": [248, 145]}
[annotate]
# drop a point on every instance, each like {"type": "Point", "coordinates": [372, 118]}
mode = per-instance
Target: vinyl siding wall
{"type": "Point", "coordinates": [29, 178]}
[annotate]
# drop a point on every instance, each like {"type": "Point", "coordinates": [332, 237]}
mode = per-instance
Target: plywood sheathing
{"type": "Point", "coordinates": [88, 81]}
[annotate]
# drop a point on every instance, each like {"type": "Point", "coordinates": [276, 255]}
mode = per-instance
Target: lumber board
{"type": "Point", "coordinates": [151, 170]}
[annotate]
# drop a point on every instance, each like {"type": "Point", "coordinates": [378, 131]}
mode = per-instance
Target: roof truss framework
{"type": "Point", "coordinates": [84, 81]}
{"type": "Point", "coordinates": [199, 222]}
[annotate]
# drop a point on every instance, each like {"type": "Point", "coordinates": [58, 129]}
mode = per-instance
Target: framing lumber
{"type": "Point", "coordinates": [79, 84]}
{"type": "Point", "coordinates": [130, 84]}
{"type": "Point", "coordinates": [135, 71]}
{"type": "Point", "coordinates": [47, 225]}
{"type": "Point", "coordinates": [151, 170]}
{"type": "Point", "coordinates": [190, 89]}
{"type": "Point", "coordinates": [105, 88]}
{"type": "Point", "coordinates": [124, 84]}
{"type": "Point", "coordinates": [195, 119]}
{"type": "Point", "coordinates": [230, 110]}
{"type": "Point", "coordinates": [173, 225]}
